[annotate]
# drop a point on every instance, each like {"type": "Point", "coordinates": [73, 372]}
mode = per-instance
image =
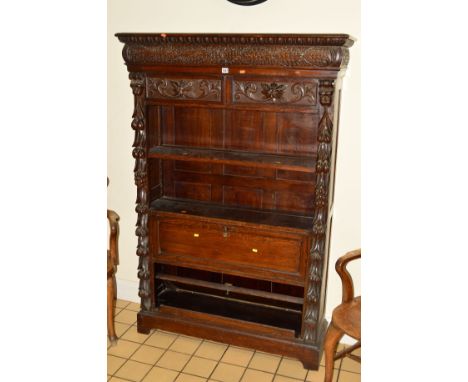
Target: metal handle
{"type": "Point", "coordinates": [196, 235]}
{"type": "Point", "coordinates": [254, 250]}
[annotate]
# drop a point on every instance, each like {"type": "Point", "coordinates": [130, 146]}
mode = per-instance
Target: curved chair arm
{"type": "Point", "coordinates": [346, 279]}
{"type": "Point", "coordinates": [114, 236]}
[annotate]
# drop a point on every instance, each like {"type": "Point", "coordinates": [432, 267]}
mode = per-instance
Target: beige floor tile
{"type": "Point", "coordinates": [117, 379]}
{"type": "Point", "coordinates": [237, 356]}
{"type": "Point", "coordinates": [132, 335]}
{"type": "Point", "coordinates": [133, 371]}
{"type": "Point", "coordinates": [350, 365]}
{"type": "Point", "coordinates": [265, 362]}
{"type": "Point", "coordinates": [161, 340]}
{"type": "Point", "coordinates": [147, 354]}
{"type": "Point", "coordinates": [158, 374]}
{"type": "Point", "coordinates": [291, 368]}
{"type": "Point", "coordinates": [200, 366]}
{"type": "Point", "coordinates": [113, 363]}
{"type": "Point", "coordinates": [189, 378]}
{"type": "Point", "coordinates": [186, 345]}
{"type": "Point", "coordinates": [227, 373]}
{"type": "Point", "coordinates": [281, 378]}
{"type": "Point", "coordinates": [174, 361]}
{"type": "Point", "coordinates": [319, 375]}
{"type": "Point", "coordinates": [256, 376]}
{"type": "Point", "coordinates": [133, 306]}
{"type": "Point", "coordinates": [349, 377]}
{"type": "Point", "coordinates": [126, 317]}
{"type": "Point", "coordinates": [211, 350]}
{"type": "Point", "coordinates": [120, 328]}
{"type": "Point", "coordinates": [123, 349]}
{"type": "Point", "coordinates": [121, 303]}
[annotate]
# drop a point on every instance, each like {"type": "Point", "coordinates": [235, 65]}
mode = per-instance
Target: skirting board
{"type": "Point", "coordinates": [128, 290]}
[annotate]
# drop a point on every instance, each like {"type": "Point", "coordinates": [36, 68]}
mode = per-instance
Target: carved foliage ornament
{"type": "Point", "coordinates": [194, 89]}
{"type": "Point", "coordinates": [137, 83]}
{"type": "Point", "coordinates": [236, 54]}
{"type": "Point", "coordinates": [317, 252]}
{"type": "Point", "coordinates": [276, 92]}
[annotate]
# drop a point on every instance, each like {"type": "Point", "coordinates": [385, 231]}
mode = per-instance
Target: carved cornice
{"type": "Point", "coordinates": [306, 51]}
{"type": "Point", "coordinates": [258, 39]}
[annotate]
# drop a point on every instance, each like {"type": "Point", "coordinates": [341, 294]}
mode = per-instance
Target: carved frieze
{"type": "Point", "coordinates": [200, 53]}
{"type": "Point", "coordinates": [184, 89]}
{"type": "Point", "coordinates": [300, 93]}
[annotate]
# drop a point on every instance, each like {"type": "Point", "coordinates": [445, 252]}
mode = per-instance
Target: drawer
{"type": "Point", "coordinates": [270, 91]}
{"type": "Point", "coordinates": [184, 89]}
{"type": "Point", "coordinates": [235, 245]}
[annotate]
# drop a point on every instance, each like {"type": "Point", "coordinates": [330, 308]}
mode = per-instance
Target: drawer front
{"type": "Point", "coordinates": [231, 244]}
{"type": "Point", "coordinates": [270, 91]}
{"type": "Point", "coordinates": [184, 89]}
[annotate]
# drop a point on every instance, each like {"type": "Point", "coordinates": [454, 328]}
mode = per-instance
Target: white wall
{"type": "Point", "coordinates": [274, 16]}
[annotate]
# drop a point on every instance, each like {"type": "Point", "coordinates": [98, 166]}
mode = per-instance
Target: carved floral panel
{"type": "Point", "coordinates": [184, 89]}
{"type": "Point", "coordinates": [297, 92]}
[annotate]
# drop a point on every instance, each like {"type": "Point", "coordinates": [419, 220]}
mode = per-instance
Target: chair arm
{"type": "Point", "coordinates": [113, 218]}
{"type": "Point", "coordinates": [346, 279]}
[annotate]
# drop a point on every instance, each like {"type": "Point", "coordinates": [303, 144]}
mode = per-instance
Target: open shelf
{"type": "Point", "coordinates": [238, 158]}
{"type": "Point", "coordinates": [230, 289]}
{"type": "Point", "coordinates": [218, 211]}
{"type": "Point", "coordinates": [231, 308]}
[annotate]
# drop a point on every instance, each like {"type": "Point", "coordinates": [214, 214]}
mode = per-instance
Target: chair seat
{"type": "Point", "coordinates": [347, 317]}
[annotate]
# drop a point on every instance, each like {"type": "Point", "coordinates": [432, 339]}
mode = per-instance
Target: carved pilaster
{"type": "Point", "coordinates": [137, 83]}
{"type": "Point", "coordinates": [317, 252]}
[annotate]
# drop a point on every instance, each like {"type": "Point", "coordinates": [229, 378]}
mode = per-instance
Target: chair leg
{"type": "Point", "coordinates": [332, 338]}
{"type": "Point", "coordinates": [110, 311]}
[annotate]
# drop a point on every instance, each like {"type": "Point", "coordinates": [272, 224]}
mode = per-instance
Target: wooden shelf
{"type": "Point", "coordinates": [231, 308]}
{"type": "Point", "coordinates": [217, 211]}
{"type": "Point", "coordinates": [238, 158]}
{"type": "Point", "coordinates": [228, 288]}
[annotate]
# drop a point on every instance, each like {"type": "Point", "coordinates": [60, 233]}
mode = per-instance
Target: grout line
{"type": "Point", "coordinates": [186, 363]}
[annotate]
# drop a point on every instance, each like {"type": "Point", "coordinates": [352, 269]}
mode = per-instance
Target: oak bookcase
{"type": "Point", "coordinates": [235, 145]}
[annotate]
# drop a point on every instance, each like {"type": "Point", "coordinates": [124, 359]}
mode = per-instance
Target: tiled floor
{"type": "Point", "coordinates": [167, 357]}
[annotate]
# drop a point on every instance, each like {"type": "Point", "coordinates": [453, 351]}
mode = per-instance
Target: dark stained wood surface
{"type": "Point", "coordinates": [231, 308]}
{"type": "Point", "coordinates": [288, 220]}
{"type": "Point", "coordinates": [235, 146]}
{"type": "Point", "coordinates": [248, 159]}
{"type": "Point", "coordinates": [230, 289]}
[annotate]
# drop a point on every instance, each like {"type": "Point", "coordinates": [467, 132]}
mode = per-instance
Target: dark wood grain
{"type": "Point", "coordinates": [235, 150]}
{"type": "Point", "coordinates": [219, 213]}
{"type": "Point", "coordinates": [283, 162]}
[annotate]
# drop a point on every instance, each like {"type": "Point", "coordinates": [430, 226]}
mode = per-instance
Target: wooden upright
{"type": "Point", "coordinates": [235, 142]}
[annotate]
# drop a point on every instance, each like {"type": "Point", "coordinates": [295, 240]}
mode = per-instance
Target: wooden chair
{"type": "Point", "coordinates": [346, 318]}
{"type": "Point", "coordinates": [112, 262]}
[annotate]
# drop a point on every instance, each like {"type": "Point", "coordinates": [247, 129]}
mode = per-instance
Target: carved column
{"type": "Point", "coordinates": [137, 83]}
{"type": "Point", "coordinates": [311, 323]}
